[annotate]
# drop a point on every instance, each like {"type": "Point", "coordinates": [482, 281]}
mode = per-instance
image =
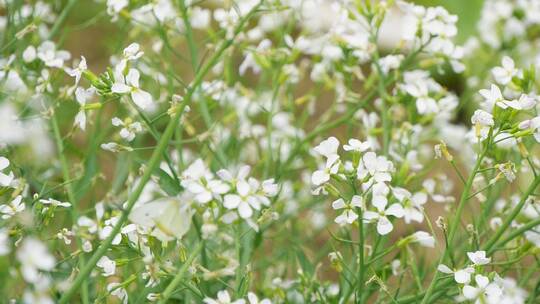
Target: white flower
{"type": "Point", "coordinates": [493, 97]}
{"type": "Point", "coordinates": [356, 145]}
{"type": "Point", "coordinates": [82, 96]}
{"type": "Point", "coordinates": [200, 18]}
{"type": "Point", "coordinates": [40, 293]}
{"type": "Point", "coordinates": [504, 74]}
{"type": "Point", "coordinates": [322, 175]}
{"type": "Point", "coordinates": [4, 242]}
{"type": "Point", "coordinates": [423, 238]}
{"type": "Point", "coordinates": [412, 204]}
{"type": "Point", "coordinates": [419, 89]}
{"type": "Point", "coordinates": [527, 102]}
{"type": "Point", "coordinates": [244, 201]}
{"type": "Point", "coordinates": [114, 147]}
{"type": "Point", "coordinates": [130, 85]}
{"type": "Point", "coordinates": [240, 177]}
{"type": "Point", "coordinates": [78, 71]}
{"type": "Point", "coordinates": [223, 297]}
{"type": "Point", "coordinates": [201, 182]}
{"type": "Point", "coordinates": [482, 118]}
{"type": "Point", "coordinates": [133, 52]}
{"type": "Point", "coordinates": [29, 54]}
{"type": "Point", "coordinates": [461, 276]}
{"type": "Point", "coordinates": [169, 217]}
{"type": "Point", "coordinates": [115, 6]}
{"type": "Point", "coordinates": [533, 124]}
{"type": "Point", "coordinates": [478, 257]}
{"type": "Point", "coordinates": [116, 290]}
{"type": "Point", "coordinates": [129, 128]}
{"type": "Point", "coordinates": [378, 167]}
{"type": "Point", "coordinates": [34, 256]}
{"type": "Point", "coordinates": [483, 288]}
{"type": "Point", "coordinates": [349, 215]}
{"type": "Point", "coordinates": [47, 53]}
{"type": "Point", "coordinates": [54, 203]}
{"type": "Point", "coordinates": [9, 210]}
{"type": "Point", "coordinates": [328, 148]}
{"type": "Point", "coordinates": [107, 265]}
{"type": "Point", "coordinates": [5, 179]}
{"type": "Point", "coordinates": [390, 62]}
{"type": "Point", "coordinates": [253, 299]}
{"type": "Point", "coordinates": [384, 226]}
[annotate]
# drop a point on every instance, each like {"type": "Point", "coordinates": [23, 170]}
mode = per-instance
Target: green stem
{"type": "Point", "coordinates": [178, 277]}
{"type": "Point", "coordinates": [154, 161]}
{"type": "Point", "coordinates": [361, 266]}
{"type": "Point", "coordinates": [61, 18]}
{"type": "Point", "coordinates": [457, 218]}
{"type": "Point", "coordinates": [71, 196]}
{"type": "Point", "coordinates": [515, 234]}
{"type": "Point", "coordinates": [491, 243]}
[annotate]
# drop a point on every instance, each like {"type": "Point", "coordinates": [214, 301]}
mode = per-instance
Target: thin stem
{"type": "Point", "coordinates": [457, 218]}
{"type": "Point", "coordinates": [361, 266]}
{"type": "Point", "coordinates": [60, 20]}
{"type": "Point", "coordinates": [71, 196]}
{"type": "Point", "coordinates": [169, 290]}
{"type": "Point", "coordinates": [154, 162]}
{"type": "Point", "coordinates": [515, 234]}
{"type": "Point", "coordinates": [491, 243]}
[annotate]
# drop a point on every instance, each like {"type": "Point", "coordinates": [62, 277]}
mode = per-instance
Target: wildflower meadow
{"type": "Point", "coordinates": [269, 151]}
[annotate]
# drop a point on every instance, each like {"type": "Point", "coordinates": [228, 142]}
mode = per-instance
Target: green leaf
{"type": "Point", "coordinates": [305, 263]}
{"type": "Point", "coordinates": [167, 183]}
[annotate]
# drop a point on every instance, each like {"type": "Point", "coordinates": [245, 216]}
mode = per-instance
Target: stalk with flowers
{"type": "Point", "coordinates": [267, 151]}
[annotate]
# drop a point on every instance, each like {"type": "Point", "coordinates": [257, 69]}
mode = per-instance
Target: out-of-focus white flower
{"type": "Point", "coordinates": [34, 256]}
{"type": "Point", "coordinates": [40, 293]}
{"type": "Point", "coordinates": [4, 242]}
{"type": "Point", "coordinates": [54, 203]}
{"type": "Point", "coordinates": [200, 18]}
{"type": "Point", "coordinates": [423, 238]}
{"type": "Point", "coordinates": [114, 147]}
{"type": "Point", "coordinates": [390, 62]}
{"type": "Point", "coordinates": [14, 207]}
{"type": "Point", "coordinates": [29, 54]}
{"type": "Point", "coordinates": [108, 266]}
{"type": "Point", "coordinates": [534, 125]}
{"type": "Point", "coordinates": [115, 6]}
{"type": "Point", "coordinates": [504, 74]}
{"type": "Point", "coordinates": [116, 290]}
{"type": "Point", "coordinates": [47, 53]}
{"type": "Point", "coordinates": [253, 299]}
{"type": "Point", "coordinates": [169, 218]}
{"type": "Point", "coordinates": [129, 128]}
{"type": "Point", "coordinates": [223, 297]}
{"type": "Point", "coordinates": [5, 179]}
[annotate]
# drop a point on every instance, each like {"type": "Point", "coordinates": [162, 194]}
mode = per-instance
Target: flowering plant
{"type": "Point", "coordinates": [269, 151]}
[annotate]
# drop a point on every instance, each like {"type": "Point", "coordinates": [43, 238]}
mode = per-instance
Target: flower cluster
{"type": "Point", "coordinates": [269, 151]}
